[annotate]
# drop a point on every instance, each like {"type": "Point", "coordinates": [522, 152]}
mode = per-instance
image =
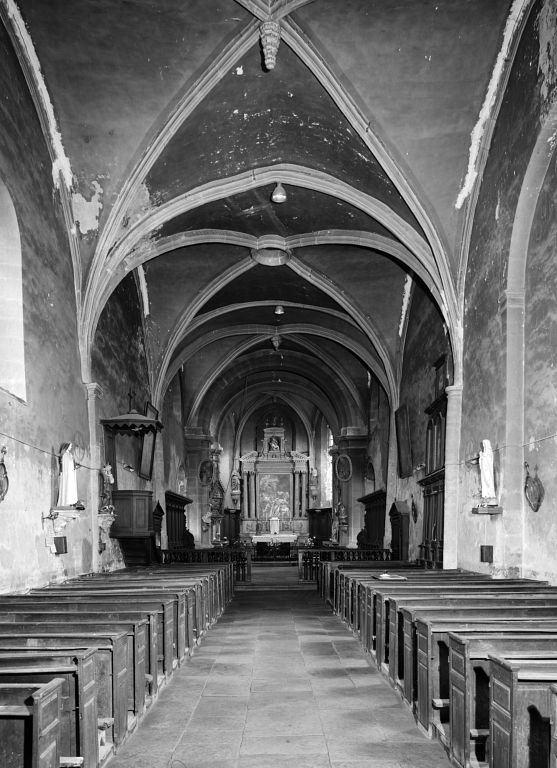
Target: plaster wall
{"type": "Point", "coordinates": [55, 410]}
{"type": "Point", "coordinates": [426, 341]}
{"type": "Point", "coordinates": [119, 366]}
{"type": "Point", "coordinates": [484, 357]}
{"type": "Point", "coordinates": [540, 417]}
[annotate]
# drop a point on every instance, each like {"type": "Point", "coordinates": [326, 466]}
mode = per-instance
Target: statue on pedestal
{"type": "Point", "coordinates": [486, 475]}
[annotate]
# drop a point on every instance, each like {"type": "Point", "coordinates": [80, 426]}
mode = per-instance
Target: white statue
{"type": "Point", "coordinates": [486, 472]}
{"type": "Point", "coordinates": [67, 492]}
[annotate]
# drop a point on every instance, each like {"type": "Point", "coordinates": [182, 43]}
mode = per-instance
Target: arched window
{"type": "Point", "coordinates": [12, 353]}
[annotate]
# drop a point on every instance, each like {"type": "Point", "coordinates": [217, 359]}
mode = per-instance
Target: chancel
{"type": "Point", "coordinates": [278, 383]}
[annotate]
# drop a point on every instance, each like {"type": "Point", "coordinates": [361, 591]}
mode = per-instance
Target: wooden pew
{"type": "Point", "coordinates": [330, 572]}
{"type": "Point", "coordinates": [200, 587]}
{"type": "Point", "coordinates": [143, 641]}
{"type": "Point", "coordinates": [353, 584]}
{"type": "Point", "coordinates": [520, 705]}
{"type": "Point", "coordinates": [386, 620]}
{"type": "Point", "coordinates": [111, 673]}
{"type": "Point", "coordinates": [78, 705]}
{"type": "Point", "coordinates": [174, 648]}
{"type": "Point", "coordinates": [30, 725]}
{"type": "Point", "coordinates": [469, 677]}
{"type": "Point", "coordinates": [49, 611]}
{"type": "Point", "coordinates": [208, 585]}
{"type": "Point", "coordinates": [488, 594]}
{"type": "Point", "coordinates": [136, 633]}
{"type": "Point", "coordinates": [161, 627]}
{"type": "Point", "coordinates": [421, 651]}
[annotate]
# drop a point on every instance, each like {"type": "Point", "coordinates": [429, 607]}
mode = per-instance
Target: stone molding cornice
{"type": "Point", "coordinates": [94, 391]}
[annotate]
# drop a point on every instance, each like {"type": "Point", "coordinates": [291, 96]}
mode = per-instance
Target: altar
{"type": "Point", "coordinates": [277, 538]}
{"type": "Point", "coordinates": [274, 498]}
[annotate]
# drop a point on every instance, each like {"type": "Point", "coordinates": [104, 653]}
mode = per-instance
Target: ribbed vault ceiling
{"type": "Point", "coordinates": [177, 133]}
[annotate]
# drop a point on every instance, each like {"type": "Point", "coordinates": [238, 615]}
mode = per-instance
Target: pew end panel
{"type": "Point", "coordinates": [30, 724]}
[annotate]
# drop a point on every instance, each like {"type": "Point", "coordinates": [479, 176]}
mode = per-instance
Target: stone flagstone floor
{"type": "Point", "coordinates": [278, 682]}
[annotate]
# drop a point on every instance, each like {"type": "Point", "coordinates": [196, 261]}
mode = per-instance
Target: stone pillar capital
{"type": "Point", "coordinates": [94, 391]}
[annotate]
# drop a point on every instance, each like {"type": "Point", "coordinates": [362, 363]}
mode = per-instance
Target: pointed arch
{"type": "Point", "coordinates": [12, 347]}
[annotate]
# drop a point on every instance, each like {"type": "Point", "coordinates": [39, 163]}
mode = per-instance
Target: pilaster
{"type": "Point", "coordinates": [452, 475]}
{"type": "Point", "coordinates": [512, 459]}
{"type": "Point", "coordinates": [94, 394]}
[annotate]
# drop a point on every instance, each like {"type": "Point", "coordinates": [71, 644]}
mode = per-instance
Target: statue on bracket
{"type": "Point", "coordinates": [487, 477]}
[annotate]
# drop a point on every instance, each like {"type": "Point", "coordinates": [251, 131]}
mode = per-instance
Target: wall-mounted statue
{"type": "Point", "coordinates": [67, 491]}
{"type": "Point", "coordinates": [487, 477]}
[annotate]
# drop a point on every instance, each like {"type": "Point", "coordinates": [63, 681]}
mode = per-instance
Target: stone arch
{"type": "Point", "coordinates": [513, 316]}
{"type": "Point", "coordinates": [12, 350]}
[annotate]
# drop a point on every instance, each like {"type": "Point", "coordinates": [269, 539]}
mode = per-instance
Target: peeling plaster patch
{"type": "Point", "coordinates": [143, 289]}
{"type": "Point", "coordinates": [138, 206]}
{"type": "Point", "coordinates": [547, 61]}
{"type": "Point", "coordinates": [518, 9]}
{"type": "Point", "coordinates": [86, 212]}
{"type": "Point", "coordinates": [405, 301]}
{"type": "Point", "coordinates": [239, 70]}
{"type": "Point", "coordinates": [61, 164]}
{"type": "Point", "coordinates": [532, 443]}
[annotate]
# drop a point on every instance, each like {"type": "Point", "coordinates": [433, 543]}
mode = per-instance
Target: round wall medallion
{"type": "Point", "coordinates": [205, 472]}
{"type": "Point", "coordinates": [343, 467]}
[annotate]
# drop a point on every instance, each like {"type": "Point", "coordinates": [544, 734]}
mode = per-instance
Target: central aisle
{"type": "Point", "coordinates": [279, 682]}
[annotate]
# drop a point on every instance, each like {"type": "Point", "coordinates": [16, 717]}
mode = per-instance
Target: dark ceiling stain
{"type": "Point", "coordinates": [259, 118]}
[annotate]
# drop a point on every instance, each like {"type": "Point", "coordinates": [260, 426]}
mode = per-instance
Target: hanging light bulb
{"type": "Point", "coordinates": [279, 194]}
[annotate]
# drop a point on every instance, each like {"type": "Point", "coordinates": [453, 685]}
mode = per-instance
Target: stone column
{"type": "Point", "coordinates": [198, 450]}
{"type": "Point", "coordinates": [295, 506]}
{"type": "Point", "coordinates": [245, 495]}
{"type": "Point", "coordinates": [355, 447]}
{"type": "Point", "coordinates": [304, 507]}
{"type": "Point", "coordinates": [452, 476]}
{"type": "Point", "coordinates": [252, 509]}
{"type": "Point", "coordinates": [512, 460]}
{"type": "Point", "coordinates": [94, 394]}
